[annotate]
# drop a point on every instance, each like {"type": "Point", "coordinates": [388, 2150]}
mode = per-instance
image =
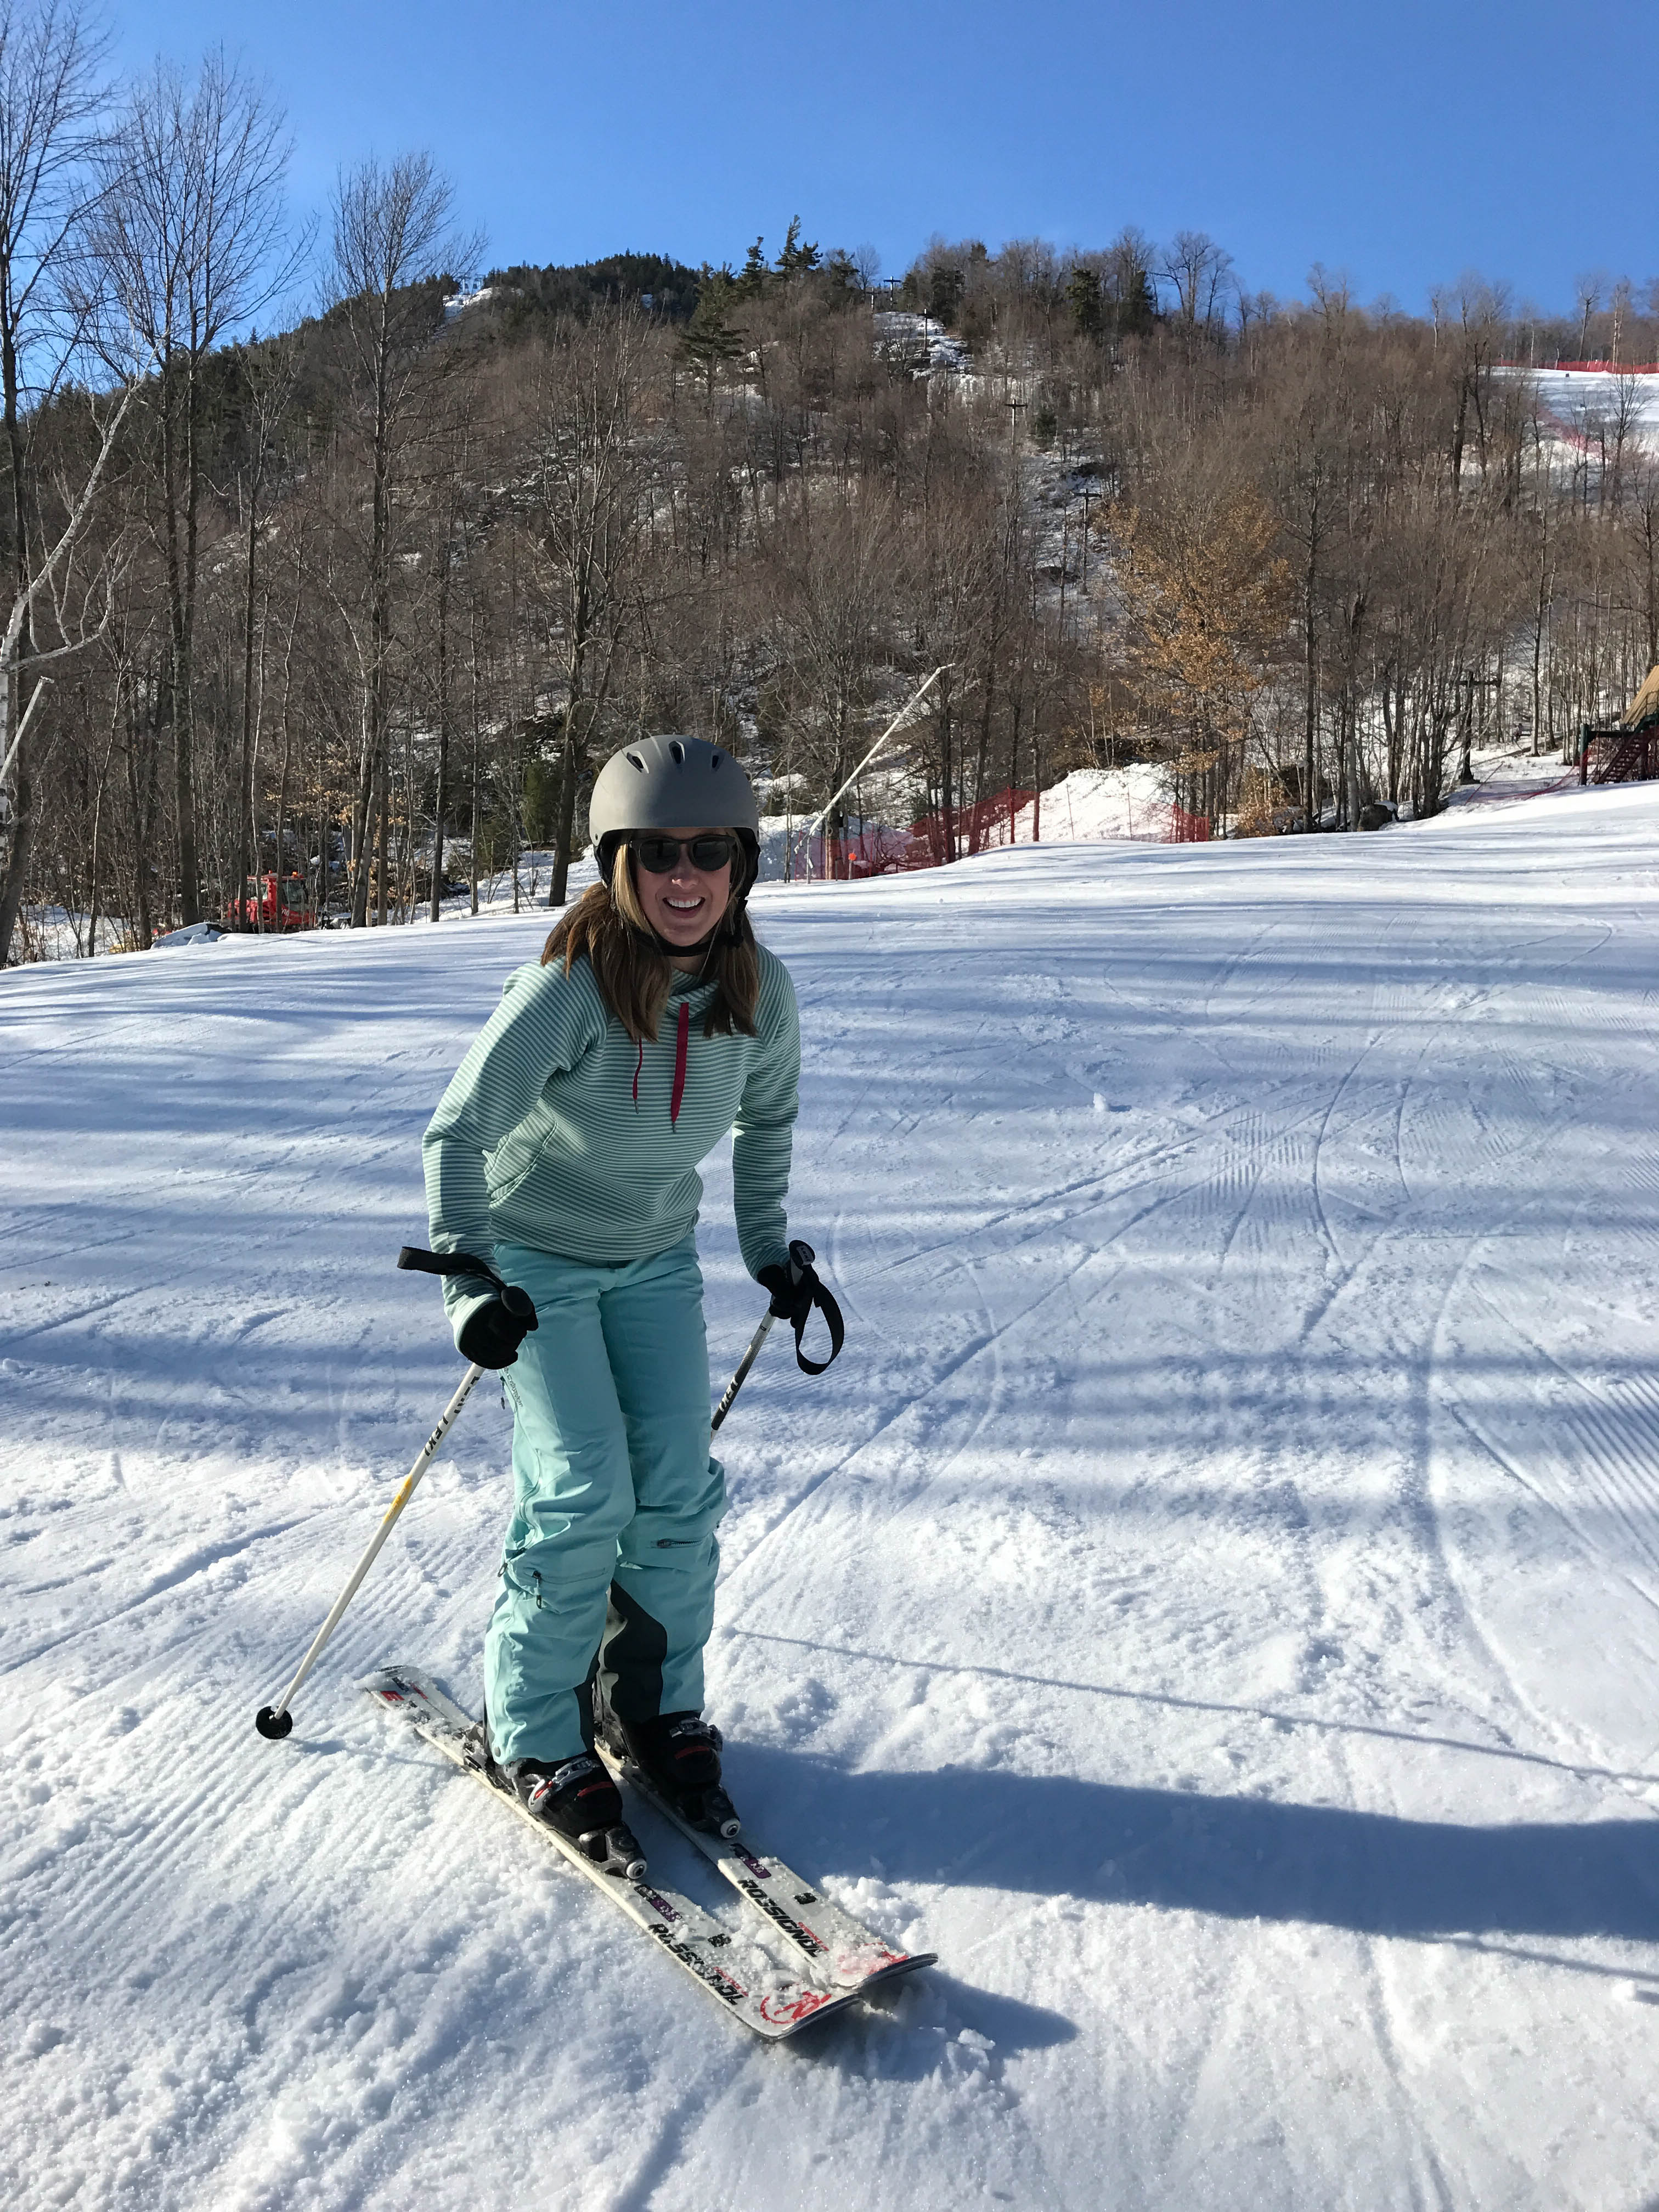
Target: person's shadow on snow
{"type": "Point", "coordinates": [1244, 1858]}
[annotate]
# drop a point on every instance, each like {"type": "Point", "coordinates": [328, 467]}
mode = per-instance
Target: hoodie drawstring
{"type": "Point", "coordinates": [681, 1043]}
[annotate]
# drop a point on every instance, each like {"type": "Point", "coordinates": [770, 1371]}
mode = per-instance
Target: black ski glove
{"type": "Point", "coordinates": [492, 1333]}
{"type": "Point", "coordinates": [795, 1290]}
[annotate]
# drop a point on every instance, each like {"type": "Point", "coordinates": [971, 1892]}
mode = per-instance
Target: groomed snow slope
{"type": "Point", "coordinates": [1213, 1601]}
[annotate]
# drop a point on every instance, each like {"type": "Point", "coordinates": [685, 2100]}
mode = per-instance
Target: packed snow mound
{"type": "Point", "coordinates": [1213, 1601]}
{"type": "Point", "coordinates": [1093, 804]}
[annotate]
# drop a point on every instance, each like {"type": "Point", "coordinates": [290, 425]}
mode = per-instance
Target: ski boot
{"type": "Point", "coordinates": [576, 1797]}
{"type": "Point", "coordinates": [678, 1754]}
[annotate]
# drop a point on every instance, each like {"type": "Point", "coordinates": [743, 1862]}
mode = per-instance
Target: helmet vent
{"type": "Point", "coordinates": [714, 759]}
{"type": "Point", "coordinates": [677, 752]}
{"type": "Point", "coordinates": [634, 761]}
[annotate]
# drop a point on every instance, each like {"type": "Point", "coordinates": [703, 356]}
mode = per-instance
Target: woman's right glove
{"type": "Point", "coordinates": [492, 1333]}
{"type": "Point", "coordinates": [795, 1290]}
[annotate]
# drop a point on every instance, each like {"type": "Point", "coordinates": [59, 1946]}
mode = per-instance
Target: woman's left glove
{"type": "Point", "coordinates": [492, 1333]}
{"type": "Point", "coordinates": [795, 1290]}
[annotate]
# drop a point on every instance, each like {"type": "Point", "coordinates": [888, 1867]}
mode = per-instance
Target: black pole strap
{"type": "Point", "coordinates": [448, 1263]}
{"type": "Point", "coordinates": [517, 1301]}
{"type": "Point", "coordinates": [801, 1256]}
{"type": "Point", "coordinates": [826, 1305]}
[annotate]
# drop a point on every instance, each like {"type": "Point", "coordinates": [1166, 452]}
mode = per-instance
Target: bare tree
{"type": "Point", "coordinates": [833, 588]}
{"type": "Point", "coordinates": [393, 227]}
{"type": "Point", "coordinates": [1199, 271]}
{"type": "Point", "coordinates": [1586, 292]}
{"type": "Point", "coordinates": [271, 373]}
{"type": "Point", "coordinates": [190, 230]}
{"type": "Point", "coordinates": [1623, 303]}
{"type": "Point", "coordinates": [591, 518]}
{"type": "Point", "coordinates": [49, 101]}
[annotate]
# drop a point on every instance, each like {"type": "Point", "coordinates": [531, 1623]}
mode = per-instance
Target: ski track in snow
{"type": "Point", "coordinates": [1214, 1602]}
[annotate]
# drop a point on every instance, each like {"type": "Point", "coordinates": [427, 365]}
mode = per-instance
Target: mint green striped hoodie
{"type": "Point", "coordinates": [558, 1132]}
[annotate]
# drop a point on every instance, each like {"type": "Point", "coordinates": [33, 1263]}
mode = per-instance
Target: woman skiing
{"type": "Point", "coordinates": [568, 1145]}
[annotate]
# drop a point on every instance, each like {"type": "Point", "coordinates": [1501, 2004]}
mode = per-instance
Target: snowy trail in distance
{"type": "Point", "coordinates": [1214, 1600]}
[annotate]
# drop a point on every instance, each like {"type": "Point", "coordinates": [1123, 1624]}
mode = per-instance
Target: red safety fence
{"type": "Point", "coordinates": [878, 849]}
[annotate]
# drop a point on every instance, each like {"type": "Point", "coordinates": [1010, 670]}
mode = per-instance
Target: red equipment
{"type": "Point", "coordinates": [273, 902]}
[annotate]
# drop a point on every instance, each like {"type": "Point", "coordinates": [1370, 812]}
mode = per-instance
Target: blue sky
{"type": "Point", "coordinates": [1403, 143]}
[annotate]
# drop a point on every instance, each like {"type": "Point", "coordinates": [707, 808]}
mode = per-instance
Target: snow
{"type": "Point", "coordinates": [198, 933]}
{"type": "Point", "coordinates": [924, 340]}
{"type": "Point", "coordinates": [459, 302]}
{"type": "Point", "coordinates": [1211, 1601]}
{"type": "Point", "coordinates": [1577, 400]}
{"type": "Point", "coordinates": [1103, 803]}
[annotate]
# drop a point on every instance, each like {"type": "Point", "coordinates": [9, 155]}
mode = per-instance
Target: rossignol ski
{"type": "Point", "coordinates": [833, 1942]}
{"type": "Point", "coordinates": [765, 1998]}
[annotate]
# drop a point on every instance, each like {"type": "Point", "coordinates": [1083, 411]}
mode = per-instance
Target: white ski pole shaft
{"type": "Point", "coordinates": [275, 1721]}
{"type": "Point", "coordinates": [743, 1366]}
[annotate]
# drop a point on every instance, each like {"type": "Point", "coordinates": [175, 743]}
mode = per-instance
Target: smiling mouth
{"type": "Point", "coordinates": [682, 906]}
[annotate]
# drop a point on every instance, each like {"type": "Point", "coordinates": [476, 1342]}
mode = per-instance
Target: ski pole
{"type": "Point", "coordinates": [274, 1722]}
{"type": "Point", "coordinates": [743, 1366]}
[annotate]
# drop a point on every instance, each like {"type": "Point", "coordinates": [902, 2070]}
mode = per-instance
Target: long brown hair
{"type": "Point", "coordinates": [607, 927]}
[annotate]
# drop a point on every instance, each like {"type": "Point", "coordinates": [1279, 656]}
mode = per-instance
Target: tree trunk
{"type": "Point", "coordinates": [948, 809]}
{"type": "Point", "coordinates": [570, 774]}
{"type": "Point", "coordinates": [244, 831]}
{"type": "Point", "coordinates": [25, 820]}
{"type": "Point", "coordinates": [443, 736]}
{"type": "Point", "coordinates": [382, 811]}
{"type": "Point", "coordinates": [1310, 734]}
{"type": "Point", "coordinates": [472, 857]}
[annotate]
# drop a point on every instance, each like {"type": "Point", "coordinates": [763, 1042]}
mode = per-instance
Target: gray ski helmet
{"type": "Point", "coordinates": [672, 783]}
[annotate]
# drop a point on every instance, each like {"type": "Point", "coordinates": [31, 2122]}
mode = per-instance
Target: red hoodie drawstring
{"type": "Point", "coordinates": [681, 1043]}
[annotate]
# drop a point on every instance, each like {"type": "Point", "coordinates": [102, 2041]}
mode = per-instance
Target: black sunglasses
{"type": "Point", "coordinates": [659, 856]}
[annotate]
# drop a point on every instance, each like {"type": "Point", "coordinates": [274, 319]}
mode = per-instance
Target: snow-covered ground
{"type": "Point", "coordinates": [1584, 402]}
{"type": "Point", "coordinates": [920, 339]}
{"type": "Point", "coordinates": [1102, 803]}
{"type": "Point", "coordinates": [1212, 1602]}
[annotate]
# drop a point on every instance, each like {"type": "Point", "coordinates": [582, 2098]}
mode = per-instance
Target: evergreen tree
{"type": "Point", "coordinates": [1083, 294]}
{"type": "Point", "coordinates": [1134, 299]}
{"type": "Point", "coordinates": [944, 293]}
{"type": "Point", "coordinates": [796, 260]}
{"type": "Point", "coordinates": [709, 337]}
{"type": "Point", "coordinates": [1138, 310]}
{"type": "Point", "coordinates": [753, 281]}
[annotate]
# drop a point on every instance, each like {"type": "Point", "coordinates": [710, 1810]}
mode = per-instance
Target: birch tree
{"type": "Point", "coordinates": [49, 106]}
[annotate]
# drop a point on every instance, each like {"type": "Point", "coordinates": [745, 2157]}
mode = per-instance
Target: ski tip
{"type": "Point", "coordinates": [785, 2012]}
{"type": "Point", "coordinates": [897, 1970]}
{"type": "Point", "coordinates": [271, 1724]}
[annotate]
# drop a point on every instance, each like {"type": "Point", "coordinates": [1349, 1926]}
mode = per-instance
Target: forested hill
{"type": "Point", "coordinates": [366, 601]}
{"type": "Point", "coordinates": [651, 280]}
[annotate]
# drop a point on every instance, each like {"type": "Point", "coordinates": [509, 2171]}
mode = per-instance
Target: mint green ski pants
{"type": "Point", "coordinates": [608, 1568]}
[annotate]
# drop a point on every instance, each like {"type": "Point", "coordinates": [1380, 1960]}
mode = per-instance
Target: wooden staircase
{"type": "Point", "coordinates": [1619, 756]}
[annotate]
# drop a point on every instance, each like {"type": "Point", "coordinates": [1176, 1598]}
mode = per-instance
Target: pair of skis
{"type": "Point", "coordinates": [843, 1959]}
